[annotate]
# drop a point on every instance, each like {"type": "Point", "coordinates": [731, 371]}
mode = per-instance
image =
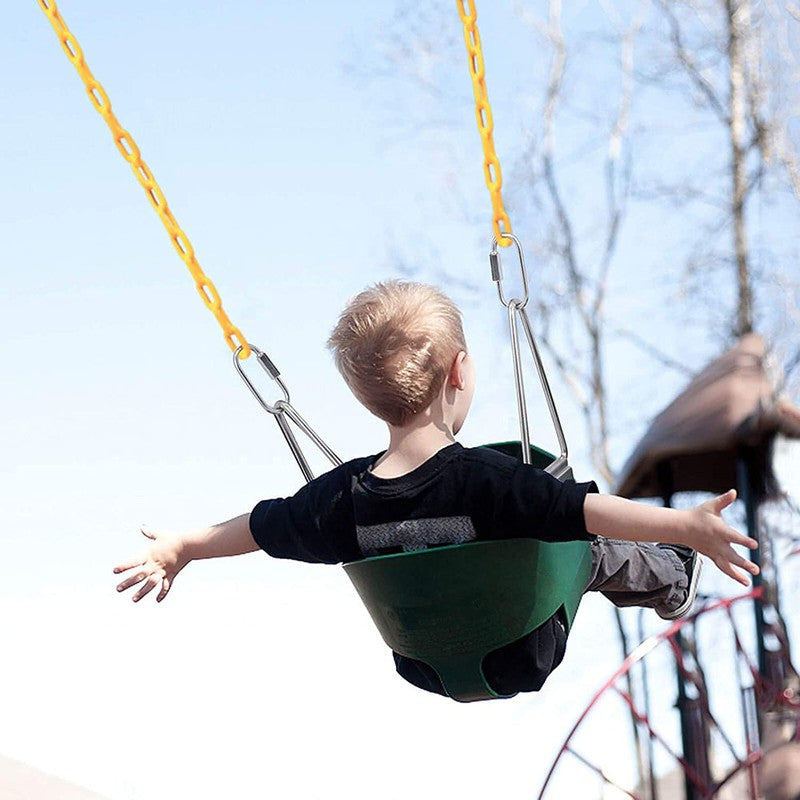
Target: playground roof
{"type": "Point", "coordinates": [693, 444]}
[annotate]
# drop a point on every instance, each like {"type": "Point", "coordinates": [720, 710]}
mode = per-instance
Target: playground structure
{"type": "Point", "coordinates": [739, 734]}
{"type": "Point", "coordinates": [760, 760]}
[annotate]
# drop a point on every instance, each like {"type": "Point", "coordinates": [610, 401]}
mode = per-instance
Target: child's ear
{"type": "Point", "coordinates": [456, 377]}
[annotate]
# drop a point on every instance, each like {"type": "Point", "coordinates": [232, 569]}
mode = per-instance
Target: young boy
{"type": "Point", "coordinates": [401, 349]}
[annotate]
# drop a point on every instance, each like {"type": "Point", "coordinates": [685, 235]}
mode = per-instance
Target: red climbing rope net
{"type": "Point", "coordinates": [768, 699]}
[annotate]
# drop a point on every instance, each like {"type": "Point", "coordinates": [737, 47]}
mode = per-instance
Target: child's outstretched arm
{"type": "Point", "coordinates": [169, 553]}
{"type": "Point", "coordinates": [701, 528]}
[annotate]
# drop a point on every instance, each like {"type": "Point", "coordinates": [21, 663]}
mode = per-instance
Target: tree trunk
{"type": "Point", "coordinates": [738, 18]}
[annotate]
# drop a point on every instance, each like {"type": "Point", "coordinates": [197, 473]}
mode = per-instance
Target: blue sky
{"type": "Point", "coordinates": [121, 407]}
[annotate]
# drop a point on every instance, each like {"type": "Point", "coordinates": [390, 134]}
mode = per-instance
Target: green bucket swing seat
{"type": "Point", "coordinates": [451, 606]}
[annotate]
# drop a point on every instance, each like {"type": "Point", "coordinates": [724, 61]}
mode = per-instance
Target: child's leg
{"type": "Point", "coordinates": [638, 574]}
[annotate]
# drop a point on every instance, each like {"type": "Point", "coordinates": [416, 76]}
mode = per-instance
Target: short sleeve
{"type": "Point", "coordinates": [538, 505]}
{"type": "Point", "coordinates": [315, 524]}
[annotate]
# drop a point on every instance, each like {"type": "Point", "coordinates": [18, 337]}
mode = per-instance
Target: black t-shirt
{"type": "Point", "coordinates": [459, 495]}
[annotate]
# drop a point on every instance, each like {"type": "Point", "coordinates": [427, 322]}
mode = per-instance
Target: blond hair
{"type": "Point", "coordinates": [394, 345]}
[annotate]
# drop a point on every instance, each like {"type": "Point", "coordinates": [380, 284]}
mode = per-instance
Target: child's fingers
{"type": "Point", "coordinates": [738, 560]}
{"type": "Point", "coordinates": [743, 573]}
{"type": "Point", "coordinates": [751, 567]}
{"type": "Point", "coordinates": [734, 537]}
{"type": "Point", "coordinates": [152, 581]}
{"type": "Point", "coordinates": [132, 580]}
{"type": "Point", "coordinates": [165, 587]}
{"type": "Point", "coordinates": [729, 569]}
{"type": "Point", "coordinates": [126, 565]}
{"type": "Point", "coordinates": [722, 501]}
{"type": "Point", "coordinates": [743, 579]}
{"type": "Point", "coordinates": [737, 575]}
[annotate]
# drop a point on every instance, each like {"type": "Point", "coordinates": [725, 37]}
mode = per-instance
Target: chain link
{"type": "Point", "coordinates": [129, 150]}
{"type": "Point", "coordinates": [483, 114]}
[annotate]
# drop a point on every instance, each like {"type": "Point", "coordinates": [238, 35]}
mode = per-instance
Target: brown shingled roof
{"type": "Point", "coordinates": [695, 440]}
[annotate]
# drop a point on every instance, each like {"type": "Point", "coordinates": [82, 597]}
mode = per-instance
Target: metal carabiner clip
{"type": "Point", "coordinates": [282, 409]}
{"type": "Point", "coordinates": [497, 272]}
{"type": "Point", "coordinates": [266, 363]}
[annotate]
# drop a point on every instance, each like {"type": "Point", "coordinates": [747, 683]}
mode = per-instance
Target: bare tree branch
{"type": "Point", "coordinates": [689, 64]}
{"type": "Point", "coordinates": [652, 351]}
{"type": "Point", "coordinates": [616, 199]}
{"type": "Point", "coordinates": [556, 38]}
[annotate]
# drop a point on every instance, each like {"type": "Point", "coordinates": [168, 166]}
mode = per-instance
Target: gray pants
{"type": "Point", "coordinates": [637, 574]}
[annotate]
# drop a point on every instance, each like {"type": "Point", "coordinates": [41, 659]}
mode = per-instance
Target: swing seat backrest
{"type": "Point", "coordinates": [451, 606]}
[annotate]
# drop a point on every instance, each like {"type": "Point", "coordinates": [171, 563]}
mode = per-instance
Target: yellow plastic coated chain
{"type": "Point", "coordinates": [130, 152]}
{"type": "Point", "coordinates": [483, 113]}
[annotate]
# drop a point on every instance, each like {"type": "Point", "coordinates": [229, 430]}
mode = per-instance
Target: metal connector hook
{"type": "Point", "coordinates": [283, 411]}
{"type": "Point", "coordinates": [271, 370]}
{"type": "Point", "coordinates": [497, 272]}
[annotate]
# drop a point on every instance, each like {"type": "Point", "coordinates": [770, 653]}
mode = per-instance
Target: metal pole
{"type": "Point", "coordinates": [747, 492]}
{"type": "Point", "coordinates": [522, 406]}
{"type": "Point", "coordinates": [651, 773]}
{"type": "Point", "coordinates": [688, 739]}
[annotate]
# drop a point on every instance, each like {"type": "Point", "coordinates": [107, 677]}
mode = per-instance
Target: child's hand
{"type": "Point", "coordinates": [162, 561]}
{"type": "Point", "coordinates": [711, 536]}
